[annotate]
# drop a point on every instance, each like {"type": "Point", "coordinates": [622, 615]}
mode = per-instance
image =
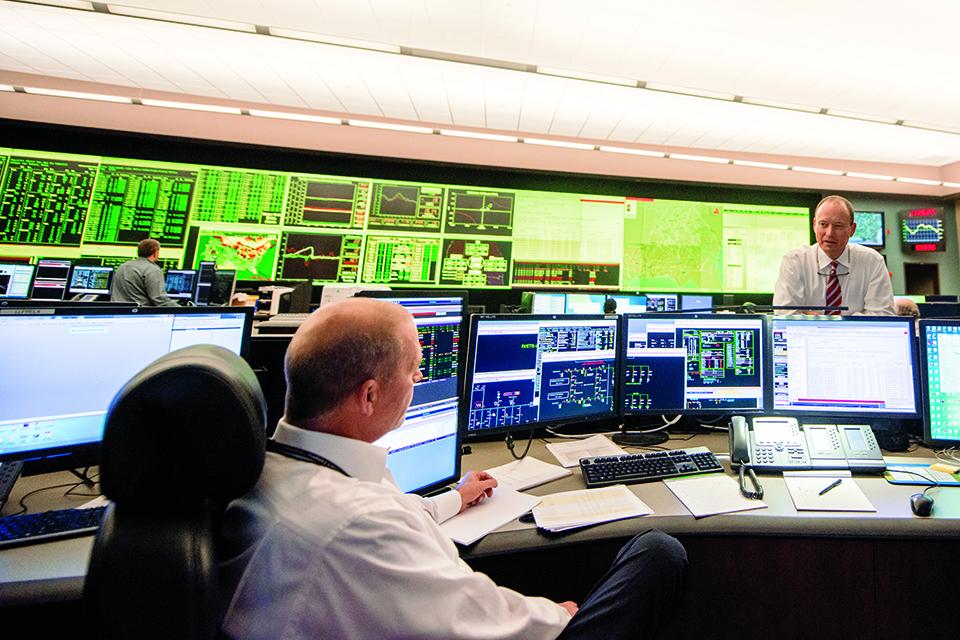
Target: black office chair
{"type": "Point", "coordinates": [182, 438]}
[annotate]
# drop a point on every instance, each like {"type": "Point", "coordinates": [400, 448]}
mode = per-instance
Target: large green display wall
{"type": "Point", "coordinates": [333, 228]}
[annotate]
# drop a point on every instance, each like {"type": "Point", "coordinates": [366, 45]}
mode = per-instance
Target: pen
{"type": "Point", "coordinates": [829, 486]}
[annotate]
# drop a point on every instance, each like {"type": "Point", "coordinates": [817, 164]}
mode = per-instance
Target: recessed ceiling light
{"type": "Point", "coordinates": [457, 133]}
{"type": "Point", "coordinates": [861, 116]}
{"type": "Point", "coordinates": [586, 75]}
{"type": "Point", "coordinates": [762, 102]}
{"type": "Point", "coordinates": [952, 185]}
{"type": "Point", "coordinates": [286, 115]}
{"type": "Point", "coordinates": [760, 165]}
{"type": "Point", "coordinates": [633, 152]}
{"type": "Point", "coordinates": [66, 4]}
{"type": "Point", "coordinates": [868, 176]}
{"type": "Point", "coordinates": [334, 40]}
{"type": "Point", "coordinates": [371, 124]}
{"type": "Point", "coordinates": [826, 172]}
{"type": "Point", "coordinates": [930, 127]}
{"type": "Point", "coordinates": [6, 87]}
{"type": "Point", "coordinates": [60, 93]}
{"type": "Point", "coordinates": [932, 183]}
{"type": "Point", "coordinates": [699, 93]}
{"type": "Point", "coordinates": [191, 106]}
{"type": "Point", "coordinates": [686, 156]}
{"type": "Point", "coordinates": [558, 143]}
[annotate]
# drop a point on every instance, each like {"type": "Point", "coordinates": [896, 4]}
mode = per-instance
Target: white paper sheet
{"type": "Point", "coordinates": [711, 494]}
{"type": "Point", "coordinates": [807, 492]}
{"type": "Point", "coordinates": [529, 472]}
{"type": "Point", "coordinates": [569, 509]}
{"type": "Point", "coordinates": [494, 512]}
{"type": "Point", "coordinates": [568, 453]}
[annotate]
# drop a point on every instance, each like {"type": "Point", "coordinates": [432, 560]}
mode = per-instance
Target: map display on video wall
{"type": "Point", "coordinates": [271, 225]}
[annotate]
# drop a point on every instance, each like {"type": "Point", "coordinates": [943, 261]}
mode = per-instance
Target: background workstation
{"type": "Point", "coordinates": [223, 184]}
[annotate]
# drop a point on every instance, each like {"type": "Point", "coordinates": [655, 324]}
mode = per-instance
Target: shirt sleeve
{"type": "Point", "coordinates": [878, 299]}
{"type": "Point", "coordinates": [789, 289]}
{"type": "Point", "coordinates": [444, 506]}
{"type": "Point", "coordinates": [156, 290]}
{"type": "Point", "coordinates": [410, 583]}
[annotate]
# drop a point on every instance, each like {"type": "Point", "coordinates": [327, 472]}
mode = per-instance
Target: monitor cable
{"type": "Point", "coordinates": [509, 442]}
{"type": "Point", "coordinates": [648, 438]}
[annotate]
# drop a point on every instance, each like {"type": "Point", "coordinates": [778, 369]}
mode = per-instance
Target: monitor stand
{"type": "Point", "coordinates": [9, 472]}
{"type": "Point", "coordinates": [639, 438]}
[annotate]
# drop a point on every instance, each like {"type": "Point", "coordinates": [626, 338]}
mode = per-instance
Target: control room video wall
{"type": "Point", "coordinates": [334, 228]}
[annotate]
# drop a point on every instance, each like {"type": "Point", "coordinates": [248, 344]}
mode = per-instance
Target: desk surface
{"type": "Point", "coordinates": [54, 571]}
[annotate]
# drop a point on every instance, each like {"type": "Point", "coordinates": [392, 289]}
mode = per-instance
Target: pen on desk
{"type": "Point", "coordinates": [829, 486]}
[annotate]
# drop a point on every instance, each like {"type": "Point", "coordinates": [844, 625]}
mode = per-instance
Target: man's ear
{"type": "Point", "coordinates": [367, 395]}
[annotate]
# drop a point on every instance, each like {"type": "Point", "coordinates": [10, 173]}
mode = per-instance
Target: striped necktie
{"type": "Point", "coordinates": [834, 295]}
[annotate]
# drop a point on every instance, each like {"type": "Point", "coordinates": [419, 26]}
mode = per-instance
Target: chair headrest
{"type": "Point", "coordinates": [189, 427]}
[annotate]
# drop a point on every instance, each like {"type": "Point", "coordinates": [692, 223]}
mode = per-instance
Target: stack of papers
{"type": "Point", "coordinates": [526, 473]}
{"type": "Point", "coordinates": [711, 494]}
{"type": "Point", "coordinates": [571, 509]}
{"type": "Point", "coordinates": [568, 453]}
{"type": "Point", "coordinates": [494, 512]}
{"type": "Point", "coordinates": [820, 491]}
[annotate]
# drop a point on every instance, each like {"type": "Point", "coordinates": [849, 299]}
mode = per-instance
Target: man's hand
{"type": "Point", "coordinates": [474, 488]}
{"type": "Point", "coordinates": [570, 606]}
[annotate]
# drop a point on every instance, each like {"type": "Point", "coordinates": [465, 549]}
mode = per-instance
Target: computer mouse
{"type": "Point", "coordinates": [921, 504]}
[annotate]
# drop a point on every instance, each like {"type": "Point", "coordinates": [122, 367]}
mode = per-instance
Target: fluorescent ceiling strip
{"type": "Point", "coordinates": [558, 143]}
{"type": "Point", "coordinates": [633, 152]}
{"type": "Point", "coordinates": [586, 75]}
{"type": "Point", "coordinates": [685, 156]}
{"type": "Point", "coordinates": [952, 185]}
{"type": "Point", "coordinates": [83, 5]}
{"type": "Point", "coordinates": [861, 116]}
{"type": "Point", "coordinates": [930, 127]}
{"type": "Point", "coordinates": [760, 165]}
{"type": "Point", "coordinates": [181, 18]}
{"type": "Point", "coordinates": [192, 106]}
{"type": "Point", "coordinates": [286, 115]}
{"type": "Point", "coordinates": [370, 124]}
{"type": "Point", "coordinates": [334, 40]}
{"type": "Point", "coordinates": [6, 87]}
{"type": "Point", "coordinates": [60, 93]}
{"type": "Point", "coordinates": [699, 93]}
{"type": "Point", "coordinates": [477, 135]}
{"type": "Point", "coordinates": [761, 102]}
{"type": "Point", "coordinates": [868, 176]}
{"type": "Point", "coordinates": [932, 183]}
{"type": "Point", "coordinates": [826, 172]}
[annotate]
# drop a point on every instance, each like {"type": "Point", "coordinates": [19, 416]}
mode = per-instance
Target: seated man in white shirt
{"type": "Point", "coordinates": [832, 272]}
{"type": "Point", "coordinates": [333, 549]}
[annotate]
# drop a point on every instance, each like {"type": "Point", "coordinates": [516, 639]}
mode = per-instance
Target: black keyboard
{"type": "Point", "coordinates": [647, 467]}
{"type": "Point", "coordinates": [9, 472]}
{"type": "Point", "coordinates": [48, 525]}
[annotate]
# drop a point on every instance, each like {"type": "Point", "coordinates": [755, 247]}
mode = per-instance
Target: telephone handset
{"type": "Point", "coordinates": [781, 444]}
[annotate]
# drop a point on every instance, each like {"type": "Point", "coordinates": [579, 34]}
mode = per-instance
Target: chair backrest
{"type": "Point", "coordinates": [183, 437]}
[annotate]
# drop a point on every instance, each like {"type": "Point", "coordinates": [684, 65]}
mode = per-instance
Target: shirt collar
{"type": "Point", "coordinates": [361, 460]}
{"type": "Point", "coordinates": [843, 262]}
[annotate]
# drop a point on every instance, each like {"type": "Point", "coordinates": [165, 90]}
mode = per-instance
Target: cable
{"type": "Point", "coordinates": [509, 442]}
{"type": "Point", "coordinates": [757, 493]}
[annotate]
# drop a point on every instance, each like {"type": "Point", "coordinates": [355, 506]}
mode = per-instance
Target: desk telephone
{"type": "Point", "coordinates": [781, 444]}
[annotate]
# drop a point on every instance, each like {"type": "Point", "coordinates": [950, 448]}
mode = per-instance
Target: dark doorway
{"type": "Point", "coordinates": [921, 279]}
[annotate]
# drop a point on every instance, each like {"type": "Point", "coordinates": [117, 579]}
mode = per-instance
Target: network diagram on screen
{"type": "Point", "coordinates": [273, 225]}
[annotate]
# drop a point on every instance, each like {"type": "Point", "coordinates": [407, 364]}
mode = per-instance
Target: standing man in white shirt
{"type": "Point", "coordinates": [333, 549]}
{"type": "Point", "coordinates": [833, 272]}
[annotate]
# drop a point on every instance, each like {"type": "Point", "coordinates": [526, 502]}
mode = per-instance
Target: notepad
{"type": "Point", "coordinates": [711, 494]}
{"type": "Point", "coordinates": [571, 509]}
{"type": "Point", "coordinates": [526, 473]}
{"type": "Point", "coordinates": [808, 491]}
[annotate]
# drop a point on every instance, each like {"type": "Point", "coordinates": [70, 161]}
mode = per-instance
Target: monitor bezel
{"type": "Point", "coordinates": [476, 319]}
{"type": "Point", "coordinates": [87, 454]}
{"type": "Point", "coordinates": [872, 416]}
{"type": "Point", "coordinates": [928, 438]}
{"type": "Point", "coordinates": [183, 295]}
{"type": "Point", "coordinates": [33, 275]}
{"type": "Point", "coordinates": [82, 291]}
{"type": "Point", "coordinates": [461, 365]}
{"type": "Point", "coordinates": [764, 342]}
{"type": "Point", "coordinates": [196, 285]}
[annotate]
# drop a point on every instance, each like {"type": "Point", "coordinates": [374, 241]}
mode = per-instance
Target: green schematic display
{"type": "Point", "coordinates": [676, 245]}
{"type": "Point", "coordinates": [401, 260]}
{"type": "Point", "coordinates": [116, 261]}
{"type": "Point", "coordinates": [475, 263]}
{"type": "Point", "coordinates": [44, 200]}
{"type": "Point", "coordinates": [327, 202]}
{"type": "Point", "coordinates": [406, 207]}
{"type": "Point", "coordinates": [131, 204]}
{"type": "Point", "coordinates": [251, 255]}
{"type": "Point", "coordinates": [230, 195]}
{"type": "Point", "coordinates": [487, 213]}
{"type": "Point", "coordinates": [319, 257]}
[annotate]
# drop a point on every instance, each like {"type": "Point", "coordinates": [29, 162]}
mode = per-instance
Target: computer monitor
{"type": "Point", "coordinates": [87, 279]}
{"type": "Point", "coordinates": [181, 283]}
{"type": "Point", "coordinates": [221, 291]}
{"type": "Point", "coordinates": [696, 303]}
{"type": "Point", "coordinates": [870, 231]}
{"type": "Point", "coordinates": [662, 302]}
{"type": "Point", "coordinates": [940, 382]}
{"type": "Point", "coordinates": [939, 309]}
{"type": "Point", "coordinates": [205, 274]}
{"type": "Point", "coordinates": [848, 366]}
{"type": "Point", "coordinates": [66, 364]}
{"type": "Point", "coordinates": [692, 363]}
{"type": "Point", "coordinates": [539, 370]}
{"type": "Point", "coordinates": [51, 280]}
{"type": "Point", "coordinates": [424, 452]}
{"type": "Point", "coordinates": [939, 298]}
{"type": "Point", "coordinates": [552, 303]}
{"type": "Point", "coordinates": [15, 280]}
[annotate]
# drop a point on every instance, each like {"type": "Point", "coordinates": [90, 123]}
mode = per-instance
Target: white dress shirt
{"type": "Point", "coordinates": [864, 280]}
{"type": "Point", "coordinates": [354, 557]}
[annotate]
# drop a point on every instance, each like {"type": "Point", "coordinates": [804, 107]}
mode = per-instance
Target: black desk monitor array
{"type": "Point", "coordinates": [65, 364]}
{"type": "Point", "coordinates": [424, 453]}
{"type": "Point", "coordinates": [88, 280]}
{"type": "Point", "coordinates": [15, 279]}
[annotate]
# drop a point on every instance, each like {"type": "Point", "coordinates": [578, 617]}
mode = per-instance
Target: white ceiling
{"type": "Point", "coordinates": [881, 58]}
